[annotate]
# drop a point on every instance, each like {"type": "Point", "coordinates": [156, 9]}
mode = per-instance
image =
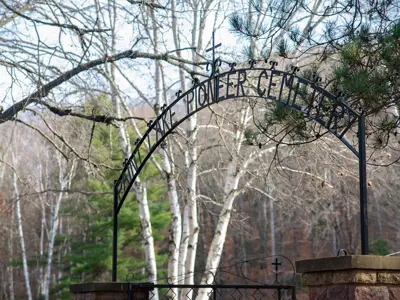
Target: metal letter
{"type": "Point", "coordinates": [261, 93]}
{"type": "Point", "coordinates": [202, 90]}
{"type": "Point", "coordinates": [218, 87]}
{"type": "Point", "coordinates": [240, 82]}
{"type": "Point", "coordinates": [269, 87]}
{"type": "Point", "coordinates": [229, 84]}
{"type": "Point", "coordinates": [210, 90]}
{"type": "Point", "coordinates": [188, 101]}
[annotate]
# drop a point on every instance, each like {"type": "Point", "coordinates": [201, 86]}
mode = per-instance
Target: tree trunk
{"type": "Point", "coordinates": [175, 232]}
{"type": "Point", "coordinates": [50, 245]}
{"type": "Point", "coordinates": [3, 280]}
{"type": "Point", "coordinates": [183, 249]}
{"type": "Point", "coordinates": [263, 226]}
{"type": "Point", "coordinates": [21, 233]}
{"type": "Point", "coordinates": [42, 286]}
{"type": "Point", "coordinates": [167, 164]}
{"type": "Point", "coordinates": [60, 272]}
{"type": "Point", "coordinates": [232, 178]}
{"type": "Point", "coordinates": [281, 233]}
{"type": "Point", "coordinates": [147, 235]}
{"type": "Point", "coordinates": [192, 204]}
{"type": "Point", "coordinates": [65, 177]}
{"type": "Point", "coordinates": [41, 183]}
{"type": "Point", "coordinates": [242, 241]}
{"type": "Point", "coordinates": [272, 226]}
{"type": "Point", "coordinates": [378, 215]}
{"type": "Point", "coordinates": [10, 269]}
{"type": "Point", "coordinates": [217, 244]}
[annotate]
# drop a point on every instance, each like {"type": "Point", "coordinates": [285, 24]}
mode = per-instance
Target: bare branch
{"type": "Point", "coordinates": [151, 5]}
{"type": "Point", "coordinates": [37, 96]}
{"type": "Point", "coordinates": [78, 30]}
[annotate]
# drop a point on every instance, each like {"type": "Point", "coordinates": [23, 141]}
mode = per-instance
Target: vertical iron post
{"type": "Point", "coordinates": [213, 55]}
{"type": "Point", "coordinates": [115, 234]}
{"type": "Point", "coordinates": [363, 186]}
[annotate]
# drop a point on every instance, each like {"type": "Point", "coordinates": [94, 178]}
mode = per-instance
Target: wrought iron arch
{"type": "Point", "coordinates": [325, 108]}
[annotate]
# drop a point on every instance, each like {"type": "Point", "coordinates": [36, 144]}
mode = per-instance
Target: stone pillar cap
{"type": "Point", "coordinates": [370, 262]}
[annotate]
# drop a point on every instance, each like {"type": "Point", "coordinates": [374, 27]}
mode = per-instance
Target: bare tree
{"type": "Point", "coordinates": [18, 214]}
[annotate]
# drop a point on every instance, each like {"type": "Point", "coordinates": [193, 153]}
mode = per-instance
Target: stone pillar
{"type": "Point", "coordinates": [352, 277]}
{"type": "Point", "coordinates": [111, 291]}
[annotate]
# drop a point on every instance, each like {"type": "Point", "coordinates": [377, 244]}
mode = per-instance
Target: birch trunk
{"type": "Point", "coordinates": [144, 214]}
{"type": "Point", "coordinates": [123, 137]}
{"type": "Point", "coordinates": [272, 225]}
{"type": "Point", "coordinates": [263, 226]}
{"type": "Point", "coordinates": [65, 177]}
{"type": "Point", "coordinates": [10, 269]}
{"type": "Point", "coordinates": [243, 253]}
{"type": "Point", "coordinates": [192, 208]}
{"type": "Point", "coordinates": [41, 177]}
{"type": "Point", "coordinates": [141, 196]}
{"type": "Point", "coordinates": [282, 229]}
{"type": "Point", "coordinates": [175, 233]}
{"type": "Point", "coordinates": [378, 217]}
{"type": "Point", "coordinates": [234, 173]}
{"type": "Point", "coordinates": [217, 244]}
{"type": "Point", "coordinates": [192, 201]}
{"type": "Point", "coordinates": [311, 25]}
{"type": "Point", "coordinates": [21, 233]}
{"type": "Point", "coordinates": [42, 286]}
{"type": "Point", "coordinates": [60, 273]}
{"type": "Point", "coordinates": [175, 33]}
{"type": "Point", "coordinates": [167, 165]}
{"type": "Point", "coordinates": [199, 21]}
{"type": "Point", "coordinates": [230, 192]}
{"type": "Point", "coordinates": [2, 176]}
{"type": "Point", "coordinates": [147, 234]}
{"type": "Point", "coordinates": [191, 185]}
{"type": "Point", "coordinates": [183, 247]}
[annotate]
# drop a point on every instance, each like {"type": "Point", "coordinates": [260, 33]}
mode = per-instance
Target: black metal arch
{"type": "Point", "coordinates": [325, 108]}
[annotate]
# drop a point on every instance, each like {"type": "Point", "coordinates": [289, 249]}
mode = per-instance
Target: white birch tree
{"type": "Point", "coordinates": [20, 230]}
{"type": "Point", "coordinates": [66, 173]}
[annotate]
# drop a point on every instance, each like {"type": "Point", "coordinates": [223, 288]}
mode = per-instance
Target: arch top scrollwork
{"type": "Point", "coordinates": [269, 84]}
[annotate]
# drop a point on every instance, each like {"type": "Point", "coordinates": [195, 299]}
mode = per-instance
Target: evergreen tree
{"type": "Point", "coordinates": [369, 75]}
{"type": "Point", "coordinates": [90, 255]}
{"type": "Point", "coordinates": [365, 37]}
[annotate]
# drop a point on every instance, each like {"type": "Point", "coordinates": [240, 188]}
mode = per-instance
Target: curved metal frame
{"type": "Point", "coordinates": [330, 111]}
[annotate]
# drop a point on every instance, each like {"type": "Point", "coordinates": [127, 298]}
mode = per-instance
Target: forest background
{"type": "Point", "coordinates": [80, 80]}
